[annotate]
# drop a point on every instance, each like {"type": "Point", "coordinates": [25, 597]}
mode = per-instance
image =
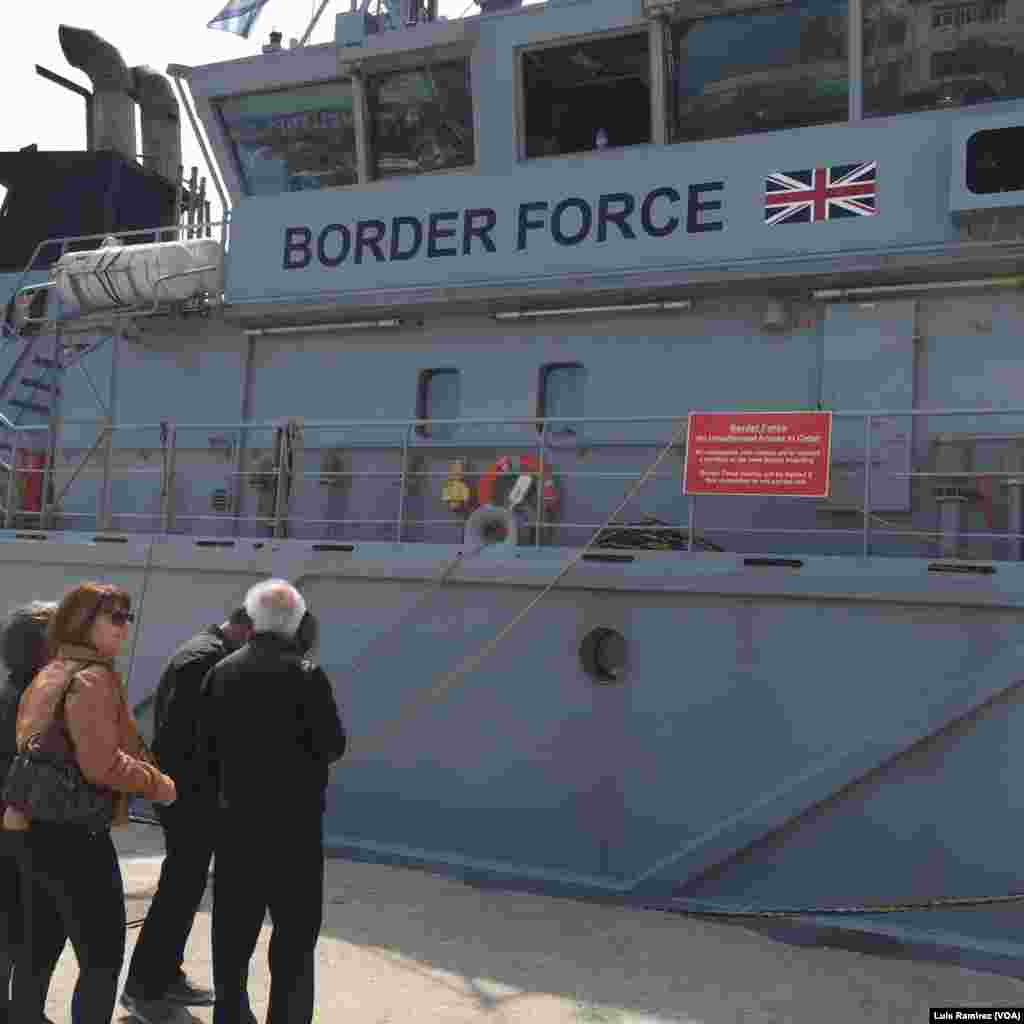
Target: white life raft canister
{"type": "Point", "coordinates": [130, 275]}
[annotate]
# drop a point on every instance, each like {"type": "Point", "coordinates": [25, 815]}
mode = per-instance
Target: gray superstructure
{"type": "Point", "coordinates": [554, 231]}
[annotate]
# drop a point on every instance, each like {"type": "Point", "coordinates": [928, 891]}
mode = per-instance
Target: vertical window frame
{"type": "Point", "coordinates": [425, 429]}
{"type": "Point", "coordinates": [543, 412]}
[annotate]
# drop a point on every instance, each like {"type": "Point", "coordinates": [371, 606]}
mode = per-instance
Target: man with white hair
{"type": "Point", "coordinates": [268, 733]}
{"type": "Point", "coordinates": [155, 978]}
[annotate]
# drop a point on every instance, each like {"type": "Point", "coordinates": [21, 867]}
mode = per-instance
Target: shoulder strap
{"type": "Point", "coordinates": [69, 681]}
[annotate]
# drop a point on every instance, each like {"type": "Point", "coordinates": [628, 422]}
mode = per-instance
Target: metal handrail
{"type": "Point", "coordinates": [308, 424]}
{"type": "Point", "coordinates": [64, 240]}
{"type": "Point", "coordinates": [407, 439]}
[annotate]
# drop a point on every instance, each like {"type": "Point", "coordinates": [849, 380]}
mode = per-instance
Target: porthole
{"type": "Point", "coordinates": [603, 655]}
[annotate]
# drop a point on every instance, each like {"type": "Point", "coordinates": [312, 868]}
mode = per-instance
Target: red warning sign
{"type": "Point", "coordinates": [768, 454]}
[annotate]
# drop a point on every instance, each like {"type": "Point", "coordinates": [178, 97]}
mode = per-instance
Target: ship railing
{"type": "Point", "coordinates": [172, 233]}
{"type": "Point", "coordinates": [297, 479]}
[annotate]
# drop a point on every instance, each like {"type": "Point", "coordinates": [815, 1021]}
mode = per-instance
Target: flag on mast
{"type": "Point", "coordinates": [238, 16]}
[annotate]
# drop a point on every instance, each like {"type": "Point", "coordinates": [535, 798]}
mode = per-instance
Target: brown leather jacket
{"type": "Point", "coordinates": [107, 743]}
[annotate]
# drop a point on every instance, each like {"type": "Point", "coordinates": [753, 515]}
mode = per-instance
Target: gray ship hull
{"type": "Point", "coordinates": [837, 734]}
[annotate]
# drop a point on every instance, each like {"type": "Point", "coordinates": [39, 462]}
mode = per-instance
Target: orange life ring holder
{"type": "Point", "coordinates": [518, 464]}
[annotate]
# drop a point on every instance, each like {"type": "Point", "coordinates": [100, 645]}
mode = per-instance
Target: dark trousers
{"type": "Point", "coordinates": [28, 986]}
{"type": "Point", "coordinates": [256, 870]}
{"type": "Point", "coordinates": [160, 951]}
{"type": "Point", "coordinates": [11, 922]}
{"type": "Point", "coordinates": [27, 991]}
{"type": "Point", "coordinates": [81, 882]}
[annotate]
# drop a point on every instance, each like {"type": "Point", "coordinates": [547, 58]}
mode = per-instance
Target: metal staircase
{"type": "Point", "coordinates": [30, 395]}
{"type": "Point", "coordinates": [40, 343]}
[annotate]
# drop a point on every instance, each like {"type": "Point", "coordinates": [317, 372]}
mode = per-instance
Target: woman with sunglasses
{"type": "Point", "coordinates": [78, 868]}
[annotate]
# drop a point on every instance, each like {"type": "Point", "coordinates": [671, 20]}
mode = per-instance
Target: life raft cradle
{"type": "Point", "coordinates": [681, 905]}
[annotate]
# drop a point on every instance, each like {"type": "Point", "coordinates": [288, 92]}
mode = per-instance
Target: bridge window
{"type": "Point", "coordinates": [438, 399]}
{"type": "Point", "coordinates": [293, 140]}
{"type": "Point", "coordinates": [587, 95]}
{"type": "Point", "coordinates": [421, 120]}
{"type": "Point", "coordinates": [560, 396]}
{"type": "Point", "coordinates": [993, 161]}
{"type": "Point", "coordinates": [759, 71]}
{"type": "Point", "coordinates": [982, 62]}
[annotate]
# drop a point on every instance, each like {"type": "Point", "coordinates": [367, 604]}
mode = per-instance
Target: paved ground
{"type": "Point", "coordinates": [403, 946]}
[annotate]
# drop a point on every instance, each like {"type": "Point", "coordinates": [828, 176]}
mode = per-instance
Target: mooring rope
{"type": "Point", "coordinates": [468, 664]}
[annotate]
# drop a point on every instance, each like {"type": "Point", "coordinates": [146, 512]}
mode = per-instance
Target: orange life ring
{"type": "Point", "coordinates": [516, 465]}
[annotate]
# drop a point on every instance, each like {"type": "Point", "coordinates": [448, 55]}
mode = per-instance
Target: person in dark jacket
{"type": "Point", "coordinates": [155, 977]}
{"type": "Point", "coordinates": [269, 730]}
{"type": "Point", "coordinates": [23, 653]}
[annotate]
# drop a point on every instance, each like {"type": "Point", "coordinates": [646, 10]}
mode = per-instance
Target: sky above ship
{"type": "Point", "coordinates": [151, 32]}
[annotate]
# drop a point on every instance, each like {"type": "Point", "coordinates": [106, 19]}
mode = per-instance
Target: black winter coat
{"type": "Point", "coordinates": [269, 729]}
{"type": "Point", "coordinates": [11, 690]}
{"type": "Point", "coordinates": [177, 709]}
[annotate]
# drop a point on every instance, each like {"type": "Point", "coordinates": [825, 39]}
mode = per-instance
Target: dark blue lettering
{"type": "Point", "coordinates": [645, 213]}
{"type": "Point", "coordinates": [297, 240]}
{"type": "Point", "coordinates": [435, 232]}
{"type": "Point", "coordinates": [321, 245]}
{"type": "Point", "coordinates": [606, 216]}
{"type": "Point", "coordinates": [470, 230]}
{"type": "Point", "coordinates": [526, 224]}
{"type": "Point", "coordinates": [365, 240]}
{"type": "Point", "coordinates": [586, 218]}
{"type": "Point", "coordinates": [417, 233]}
{"type": "Point", "coordinates": [695, 207]}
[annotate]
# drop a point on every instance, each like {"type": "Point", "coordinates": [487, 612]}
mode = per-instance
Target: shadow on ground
{"type": "Point", "coordinates": [401, 945]}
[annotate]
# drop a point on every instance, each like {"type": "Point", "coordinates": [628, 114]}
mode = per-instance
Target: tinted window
{"type": "Point", "coordinates": [918, 57]}
{"type": "Point", "coordinates": [588, 95]}
{"type": "Point", "coordinates": [760, 71]}
{"type": "Point", "coordinates": [438, 400]}
{"type": "Point", "coordinates": [293, 140]}
{"type": "Point", "coordinates": [421, 120]}
{"type": "Point", "coordinates": [561, 395]}
{"type": "Point", "coordinates": [994, 161]}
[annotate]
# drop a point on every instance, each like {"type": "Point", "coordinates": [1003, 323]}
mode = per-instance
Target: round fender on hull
{"type": "Point", "coordinates": [490, 525]}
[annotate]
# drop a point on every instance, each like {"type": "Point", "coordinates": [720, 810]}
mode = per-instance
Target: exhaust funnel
{"type": "Point", "coordinates": [113, 109]}
{"type": "Point", "coordinates": [161, 124]}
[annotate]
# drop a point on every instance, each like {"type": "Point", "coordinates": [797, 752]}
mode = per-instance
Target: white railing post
{"type": "Point", "coordinates": [169, 474]}
{"type": "Point", "coordinates": [541, 449]}
{"type": "Point", "coordinates": [103, 516]}
{"type": "Point", "coordinates": [12, 485]}
{"type": "Point", "coordinates": [403, 482]}
{"type": "Point", "coordinates": [45, 509]}
{"type": "Point", "coordinates": [867, 486]}
{"type": "Point", "coordinates": [283, 454]}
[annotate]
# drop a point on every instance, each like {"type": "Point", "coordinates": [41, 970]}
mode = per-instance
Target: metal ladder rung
{"type": "Point", "coordinates": [43, 410]}
{"type": "Point", "coordinates": [39, 385]}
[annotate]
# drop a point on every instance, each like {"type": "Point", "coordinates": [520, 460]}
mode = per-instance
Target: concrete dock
{"type": "Point", "coordinates": [400, 946]}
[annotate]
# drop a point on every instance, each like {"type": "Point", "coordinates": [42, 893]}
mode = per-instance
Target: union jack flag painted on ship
{"type": "Point", "coordinates": [824, 193]}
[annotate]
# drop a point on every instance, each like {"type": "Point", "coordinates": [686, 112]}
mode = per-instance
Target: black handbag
{"type": "Point", "coordinates": [45, 782]}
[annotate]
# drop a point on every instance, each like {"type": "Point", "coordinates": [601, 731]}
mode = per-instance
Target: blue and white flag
{"type": "Point", "coordinates": [238, 16]}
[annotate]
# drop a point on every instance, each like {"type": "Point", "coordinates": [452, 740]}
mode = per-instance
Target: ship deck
{"type": "Point", "coordinates": [400, 945]}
